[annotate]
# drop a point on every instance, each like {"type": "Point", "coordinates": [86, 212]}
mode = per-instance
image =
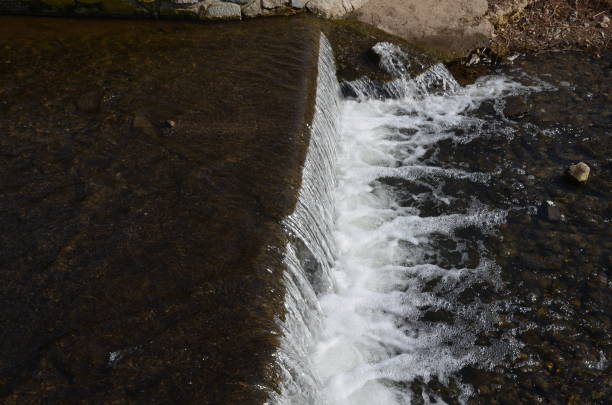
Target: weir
{"type": "Point", "coordinates": [202, 214]}
{"type": "Point", "coordinates": [374, 303]}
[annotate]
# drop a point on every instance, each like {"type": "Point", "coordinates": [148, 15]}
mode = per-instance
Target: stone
{"type": "Point", "coordinates": [515, 107]}
{"type": "Point", "coordinates": [240, 2]}
{"type": "Point", "coordinates": [334, 8]}
{"type": "Point", "coordinates": [223, 11]}
{"type": "Point", "coordinates": [270, 4]}
{"type": "Point", "coordinates": [176, 10]}
{"type": "Point", "coordinates": [452, 28]}
{"type": "Point", "coordinates": [252, 10]}
{"type": "Point", "coordinates": [89, 102]}
{"type": "Point", "coordinates": [297, 3]}
{"type": "Point", "coordinates": [551, 212]}
{"type": "Point", "coordinates": [604, 22]}
{"type": "Point", "coordinates": [579, 172]}
{"type": "Point", "coordinates": [185, 1]}
{"type": "Point", "coordinates": [170, 123]}
{"type": "Point", "coordinates": [141, 123]}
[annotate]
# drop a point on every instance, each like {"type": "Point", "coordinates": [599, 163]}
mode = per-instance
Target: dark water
{"type": "Point", "coordinates": [556, 273]}
{"type": "Point", "coordinates": [137, 255]}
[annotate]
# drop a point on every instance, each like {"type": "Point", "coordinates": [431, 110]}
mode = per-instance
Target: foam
{"type": "Point", "coordinates": [367, 335]}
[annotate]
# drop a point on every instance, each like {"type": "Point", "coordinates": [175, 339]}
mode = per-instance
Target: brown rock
{"type": "Point", "coordinates": [550, 211]}
{"type": "Point", "coordinates": [89, 102]}
{"type": "Point", "coordinates": [141, 123]}
{"type": "Point", "coordinates": [579, 172]}
{"type": "Point", "coordinates": [515, 107]}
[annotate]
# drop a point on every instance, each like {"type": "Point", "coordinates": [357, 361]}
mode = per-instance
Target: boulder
{"type": "Point", "coordinates": [334, 8]}
{"type": "Point", "coordinates": [271, 4]}
{"type": "Point", "coordinates": [252, 10]}
{"type": "Point", "coordinates": [223, 11]}
{"type": "Point", "coordinates": [579, 172]}
{"type": "Point", "coordinates": [182, 9]}
{"type": "Point", "coordinates": [240, 2]}
{"type": "Point", "coordinates": [452, 28]}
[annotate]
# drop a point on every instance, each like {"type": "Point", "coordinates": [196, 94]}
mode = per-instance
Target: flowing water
{"type": "Point", "coordinates": [395, 288]}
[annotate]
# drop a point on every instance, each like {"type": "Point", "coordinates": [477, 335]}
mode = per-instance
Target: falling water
{"type": "Point", "coordinates": [372, 302]}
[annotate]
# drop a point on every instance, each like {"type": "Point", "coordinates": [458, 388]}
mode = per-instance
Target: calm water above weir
{"type": "Point", "coordinates": [448, 281]}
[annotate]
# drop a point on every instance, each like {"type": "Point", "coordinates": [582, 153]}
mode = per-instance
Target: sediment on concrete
{"type": "Point", "coordinates": [145, 171]}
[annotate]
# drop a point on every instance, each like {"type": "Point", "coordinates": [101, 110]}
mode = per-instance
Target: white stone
{"type": "Point", "coordinates": [270, 4]}
{"type": "Point", "coordinates": [252, 10]}
{"type": "Point", "coordinates": [223, 11]}
{"type": "Point", "coordinates": [334, 8]}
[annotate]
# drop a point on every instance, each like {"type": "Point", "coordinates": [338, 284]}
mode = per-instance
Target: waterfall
{"type": "Point", "coordinates": [311, 253]}
{"type": "Point", "coordinates": [376, 298]}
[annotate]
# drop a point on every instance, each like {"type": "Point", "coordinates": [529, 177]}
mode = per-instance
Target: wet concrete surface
{"type": "Point", "coordinates": [141, 259]}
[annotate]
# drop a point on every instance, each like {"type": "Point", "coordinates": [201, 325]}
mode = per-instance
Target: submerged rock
{"type": "Point", "coordinates": [516, 107]}
{"type": "Point", "coordinates": [550, 211]}
{"type": "Point", "coordinates": [579, 172]}
{"type": "Point", "coordinates": [89, 102]}
{"type": "Point", "coordinates": [141, 123]}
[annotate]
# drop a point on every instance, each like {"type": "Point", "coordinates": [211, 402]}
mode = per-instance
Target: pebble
{"type": "Point", "coordinates": [579, 172]}
{"type": "Point", "coordinates": [551, 212]}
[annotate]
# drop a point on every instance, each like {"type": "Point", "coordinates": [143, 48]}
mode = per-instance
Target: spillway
{"type": "Point", "coordinates": [373, 303]}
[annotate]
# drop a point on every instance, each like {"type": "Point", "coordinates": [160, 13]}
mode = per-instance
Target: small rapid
{"type": "Point", "coordinates": [385, 257]}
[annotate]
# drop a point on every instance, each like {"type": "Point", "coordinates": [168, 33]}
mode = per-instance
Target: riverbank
{"type": "Point", "coordinates": [542, 25]}
{"type": "Point", "coordinates": [451, 29]}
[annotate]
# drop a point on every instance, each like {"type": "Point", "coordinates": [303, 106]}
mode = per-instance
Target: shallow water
{"type": "Point", "coordinates": [434, 296]}
{"type": "Point", "coordinates": [142, 261]}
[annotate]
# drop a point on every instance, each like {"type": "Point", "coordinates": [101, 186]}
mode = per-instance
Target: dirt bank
{"type": "Point", "coordinates": [536, 25]}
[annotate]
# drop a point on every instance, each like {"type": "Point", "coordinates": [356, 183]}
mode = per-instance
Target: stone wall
{"type": "Point", "coordinates": [184, 9]}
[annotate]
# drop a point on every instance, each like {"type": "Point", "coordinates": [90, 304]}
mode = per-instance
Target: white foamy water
{"type": "Point", "coordinates": [369, 308]}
